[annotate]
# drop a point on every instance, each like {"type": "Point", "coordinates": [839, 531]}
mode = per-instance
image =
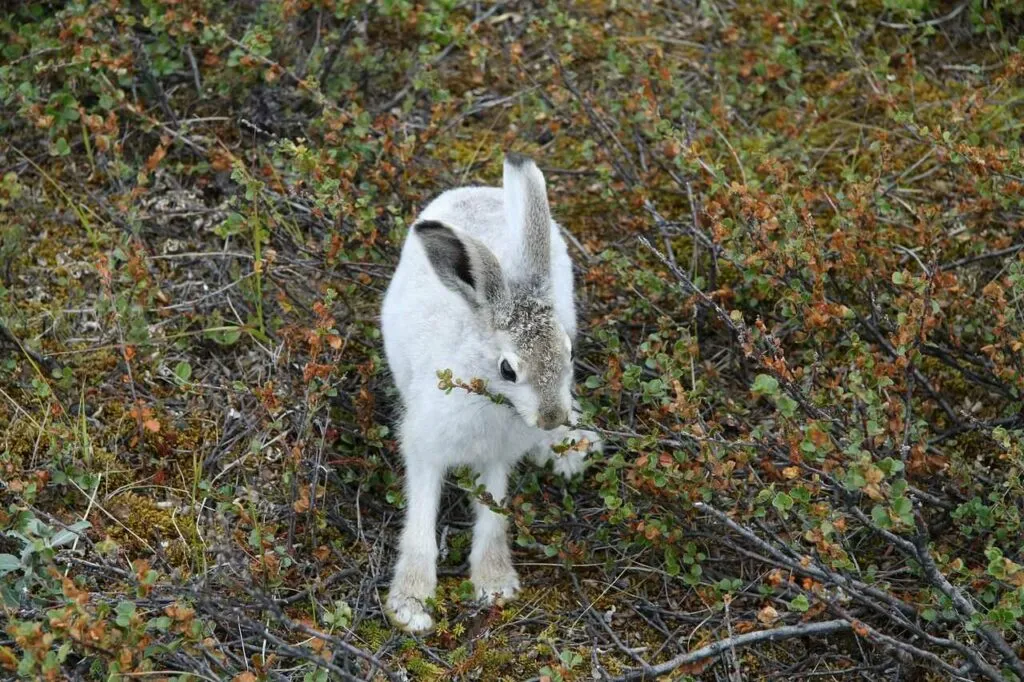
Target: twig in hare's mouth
{"type": "Point", "coordinates": [478, 386]}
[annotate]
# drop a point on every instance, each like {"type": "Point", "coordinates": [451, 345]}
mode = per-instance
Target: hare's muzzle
{"type": "Point", "coordinates": [552, 419]}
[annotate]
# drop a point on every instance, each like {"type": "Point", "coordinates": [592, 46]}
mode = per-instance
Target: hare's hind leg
{"type": "Point", "coordinates": [415, 577]}
{"type": "Point", "coordinates": [490, 560]}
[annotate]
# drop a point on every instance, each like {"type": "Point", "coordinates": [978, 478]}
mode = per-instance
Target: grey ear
{"type": "Point", "coordinates": [464, 265]}
{"type": "Point", "coordinates": [528, 213]}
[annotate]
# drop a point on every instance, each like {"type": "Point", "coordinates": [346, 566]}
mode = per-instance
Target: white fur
{"type": "Point", "coordinates": [426, 327]}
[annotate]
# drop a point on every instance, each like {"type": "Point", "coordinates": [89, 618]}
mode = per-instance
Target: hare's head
{"type": "Point", "coordinates": [526, 352]}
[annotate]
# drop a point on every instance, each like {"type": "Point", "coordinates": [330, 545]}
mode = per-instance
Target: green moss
{"type": "Point", "coordinates": [145, 520]}
{"type": "Point", "coordinates": [374, 633]}
{"type": "Point", "coordinates": [422, 669]}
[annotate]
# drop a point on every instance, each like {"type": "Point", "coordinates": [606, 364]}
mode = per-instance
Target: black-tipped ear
{"type": "Point", "coordinates": [446, 251]}
{"type": "Point", "coordinates": [464, 265]}
{"type": "Point", "coordinates": [516, 159]}
{"type": "Point", "coordinates": [528, 214]}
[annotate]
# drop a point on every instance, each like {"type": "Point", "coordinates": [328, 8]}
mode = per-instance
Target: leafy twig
{"type": "Point", "coordinates": [478, 386]}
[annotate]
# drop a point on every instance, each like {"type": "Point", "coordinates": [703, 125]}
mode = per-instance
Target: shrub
{"type": "Point", "coordinates": [797, 227]}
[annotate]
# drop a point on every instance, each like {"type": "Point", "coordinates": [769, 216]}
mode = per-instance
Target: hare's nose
{"type": "Point", "coordinates": [552, 419]}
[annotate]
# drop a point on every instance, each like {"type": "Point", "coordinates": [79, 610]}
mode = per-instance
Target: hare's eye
{"type": "Point", "coordinates": [507, 373]}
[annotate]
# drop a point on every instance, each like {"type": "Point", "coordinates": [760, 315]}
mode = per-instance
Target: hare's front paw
{"type": "Point", "coordinates": [409, 613]}
{"type": "Point", "coordinates": [406, 605]}
{"type": "Point", "coordinates": [574, 460]}
{"type": "Point", "coordinates": [492, 573]}
{"type": "Point", "coordinates": [593, 438]}
{"type": "Point", "coordinates": [496, 586]}
{"type": "Point", "coordinates": [569, 463]}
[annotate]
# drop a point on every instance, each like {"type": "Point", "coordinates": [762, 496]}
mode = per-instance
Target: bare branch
{"type": "Point", "coordinates": [786, 632]}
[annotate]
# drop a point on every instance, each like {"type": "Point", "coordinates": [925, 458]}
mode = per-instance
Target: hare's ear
{"type": "Point", "coordinates": [527, 212]}
{"type": "Point", "coordinates": [464, 265]}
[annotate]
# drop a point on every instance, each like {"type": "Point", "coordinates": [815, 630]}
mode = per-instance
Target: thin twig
{"type": "Point", "coordinates": [998, 253]}
{"type": "Point", "coordinates": [715, 648]}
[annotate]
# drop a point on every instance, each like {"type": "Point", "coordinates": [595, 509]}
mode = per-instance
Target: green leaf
{"type": "Point", "coordinates": [782, 502]}
{"type": "Point", "coordinates": [903, 508]}
{"type": "Point", "coordinates": [62, 147]}
{"type": "Point", "coordinates": [787, 406]}
{"type": "Point", "coordinates": [671, 562]}
{"type": "Point", "coordinates": [183, 370]}
{"type": "Point", "coordinates": [125, 611]}
{"type": "Point", "coordinates": [898, 277]}
{"type": "Point", "coordinates": [163, 623]}
{"type": "Point", "coordinates": [231, 226]}
{"type": "Point", "coordinates": [341, 616]}
{"type": "Point", "coordinates": [70, 534]}
{"type": "Point", "coordinates": [890, 466]}
{"type": "Point", "coordinates": [997, 568]}
{"type": "Point", "coordinates": [9, 563]}
{"type": "Point", "coordinates": [765, 385]}
{"type": "Point", "coordinates": [692, 576]}
{"type": "Point", "coordinates": [799, 604]}
{"type": "Point", "coordinates": [898, 487]}
{"type": "Point", "coordinates": [854, 479]}
{"type": "Point", "coordinates": [880, 516]}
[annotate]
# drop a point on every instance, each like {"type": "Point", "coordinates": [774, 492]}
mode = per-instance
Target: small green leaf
{"type": "Point", "coordinates": [125, 611]}
{"type": "Point", "coordinates": [903, 508]}
{"type": "Point", "coordinates": [782, 502]}
{"type": "Point", "coordinates": [163, 623]}
{"type": "Point", "coordinates": [231, 226]}
{"type": "Point", "coordinates": [765, 385]}
{"type": "Point", "coordinates": [880, 516]}
{"type": "Point", "coordinates": [890, 466]}
{"type": "Point", "coordinates": [787, 406]}
{"type": "Point", "coordinates": [183, 370]}
{"type": "Point", "coordinates": [854, 479]}
{"type": "Point", "coordinates": [69, 534]}
{"type": "Point", "coordinates": [9, 563]}
{"type": "Point", "coordinates": [671, 562]}
{"type": "Point", "coordinates": [799, 604]}
{"type": "Point", "coordinates": [997, 568]}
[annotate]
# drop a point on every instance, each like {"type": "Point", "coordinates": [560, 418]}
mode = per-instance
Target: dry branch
{"type": "Point", "coordinates": [715, 648]}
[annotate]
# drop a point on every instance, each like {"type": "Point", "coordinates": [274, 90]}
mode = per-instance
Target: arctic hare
{"type": "Point", "coordinates": [483, 288]}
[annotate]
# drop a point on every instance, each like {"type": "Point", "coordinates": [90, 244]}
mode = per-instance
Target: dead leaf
{"type": "Point", "coordinates": [768, 615]}
{"type": "Point", "coordinates": [156, 157]}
